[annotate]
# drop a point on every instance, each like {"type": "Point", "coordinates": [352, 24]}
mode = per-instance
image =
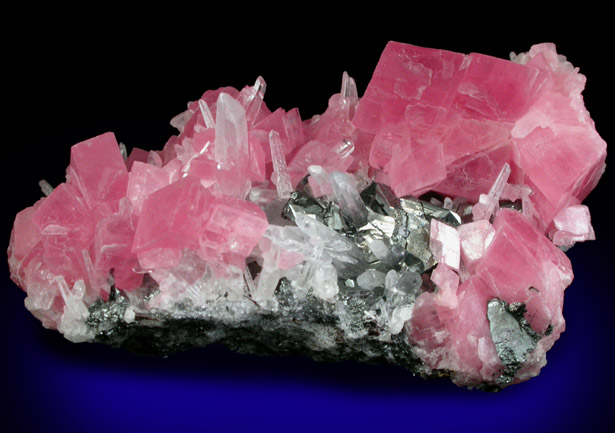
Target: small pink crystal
{"type": "Point", "coordinates": [185, 202]}
{"type": "Point", "coordinates": [143, 180]}
{"type": "Point", "coordinates": [475, 238]}
{"type": "Point", "coordinates": [447, 281]}
{"type": "Point", "coordinates": [231, 230]}
{"type": "Point", "coordinates": [573, 224]}
{"type": "Point", "coordinates": [112, 250]}
{"type": "Point", "coordinates": [444, 243]}
{"type": "Point", "coordinates": [66, 228]}
{"type": "Point", "coordinates": [99, 172]}
{"type": "Point", "coordinates": [25, 244]}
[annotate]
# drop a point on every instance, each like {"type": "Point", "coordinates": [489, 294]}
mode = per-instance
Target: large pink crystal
{"type": "Point", "coordinates": [465, 116]}
{"type": "Point", "coordinates": [508, 145]}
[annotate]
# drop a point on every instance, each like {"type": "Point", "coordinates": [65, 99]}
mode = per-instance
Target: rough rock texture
{"type": "Point", "coordinates": [418, 225]}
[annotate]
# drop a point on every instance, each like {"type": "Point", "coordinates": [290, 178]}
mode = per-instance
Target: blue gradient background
{"type": "Point", "coordinates": [79, 80]}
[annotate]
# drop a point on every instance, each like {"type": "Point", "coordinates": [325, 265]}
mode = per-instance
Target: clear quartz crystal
{"type": "Point", "coordinates": [46, 187]}
{"type": "Point", "coordinates": [488, 203]}
{"type": "Point", "coordinates": [206, 113]}
{"type": "Point", "coordinates": [231, 144]}
{"type": "Point", "coordinates": [280, 177]}
{"type": "Point", "coordinates": [254, 100]}
{"type": "Point", "coordinates": [320, 181]}
{"type": "Point", "coordinates": [371, 279]}
{"type": "Point", "coordinates": [348, 198]}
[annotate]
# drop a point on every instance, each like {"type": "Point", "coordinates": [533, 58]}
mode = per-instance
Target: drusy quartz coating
{"type": "Point", "coordinates": [422, 224]}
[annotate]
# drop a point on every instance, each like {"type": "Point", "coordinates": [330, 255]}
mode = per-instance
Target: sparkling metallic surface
{"type": "Point", "coordinates": [379, 247]}
{"type": "Point", "coordinates": [104, 315]}
{"type": "Point", "coordinates": [512, 335]}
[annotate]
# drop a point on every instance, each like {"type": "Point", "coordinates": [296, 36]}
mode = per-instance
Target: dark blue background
{"type": "Point", "coordinates": [79, 78]}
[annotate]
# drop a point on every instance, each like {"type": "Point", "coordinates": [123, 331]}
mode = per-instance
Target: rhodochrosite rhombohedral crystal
{"type": "Point", "coordinates": [422, 224]}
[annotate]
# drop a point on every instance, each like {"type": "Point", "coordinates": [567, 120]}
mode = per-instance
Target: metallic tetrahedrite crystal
{"type": "Point", "coordinates": [393, 233]}
{"type": "Point", "coordinates": [512, 335]}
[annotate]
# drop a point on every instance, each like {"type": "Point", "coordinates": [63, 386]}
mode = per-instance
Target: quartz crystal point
{"type": "Point", "coordinates": [417, 225]}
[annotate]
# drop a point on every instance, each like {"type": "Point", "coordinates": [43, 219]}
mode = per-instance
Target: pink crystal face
{"type": "Point", "coordinates": [508, 145]}
{"type": "Point", "coordinates": [457, 119]}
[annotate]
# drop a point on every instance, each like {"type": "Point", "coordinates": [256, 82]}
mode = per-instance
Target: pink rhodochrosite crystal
{"type": "Point", "coordinates": [462, 117]}
{"type": "Point", "coordinates": [422, 224]}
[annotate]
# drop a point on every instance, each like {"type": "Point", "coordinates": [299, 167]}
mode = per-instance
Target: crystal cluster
{"type": "Point", "coordinates": [422, 224]}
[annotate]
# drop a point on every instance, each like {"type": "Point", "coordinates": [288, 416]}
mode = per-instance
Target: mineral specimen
{"type": "Point", "coordinates": [418, 225]}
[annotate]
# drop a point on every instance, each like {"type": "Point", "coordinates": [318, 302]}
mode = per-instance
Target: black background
{"type": "Point", "coordinates": [73, 74]}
